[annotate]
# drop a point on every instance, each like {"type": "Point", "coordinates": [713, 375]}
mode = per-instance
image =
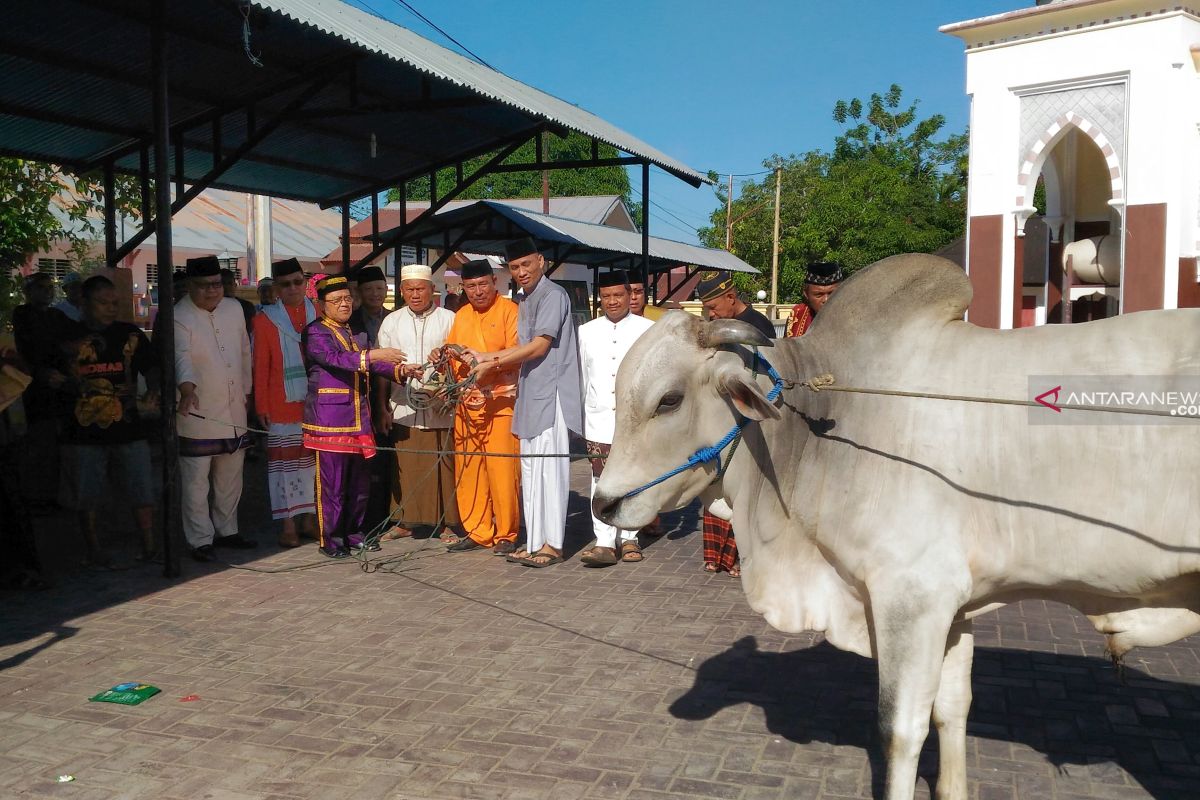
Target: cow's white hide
{"type": "Point", "coordinates": [888, 522]}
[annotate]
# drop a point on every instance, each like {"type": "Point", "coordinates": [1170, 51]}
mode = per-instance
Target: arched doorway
{"type": "Point", "coordinates": [1079, 174]}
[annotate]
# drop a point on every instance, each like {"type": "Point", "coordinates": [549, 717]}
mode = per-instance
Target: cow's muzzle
{"type": "Point", "coordinates": [605, 507]}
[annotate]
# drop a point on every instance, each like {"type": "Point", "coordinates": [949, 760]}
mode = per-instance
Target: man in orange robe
{"type": "Point", "coordinates": [487, 487]}
{"type": "Point", "coordinates": [280, 386]}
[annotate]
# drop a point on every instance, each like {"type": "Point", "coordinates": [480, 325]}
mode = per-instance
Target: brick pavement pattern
{"type": "Point", "coordinates": [428, 675]}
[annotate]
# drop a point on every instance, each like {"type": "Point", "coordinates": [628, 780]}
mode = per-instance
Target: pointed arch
{"type": "Point", "coordinates": [1033, 161]}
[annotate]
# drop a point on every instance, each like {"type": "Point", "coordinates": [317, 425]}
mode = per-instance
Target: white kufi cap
{"type": "Point", "coordinates": [416, 272]}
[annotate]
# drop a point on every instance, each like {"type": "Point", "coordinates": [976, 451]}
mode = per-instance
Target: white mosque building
{"type": "Point", "coordinates": [1084, 180]}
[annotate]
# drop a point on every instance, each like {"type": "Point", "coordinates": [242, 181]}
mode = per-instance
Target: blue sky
{"type": "Point", "coordinates": [716, 84]}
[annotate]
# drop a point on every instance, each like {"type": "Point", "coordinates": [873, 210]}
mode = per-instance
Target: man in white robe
{"type": "Point", "coordinates": [603, 343]}
{"type": "Point", "coordinates": [423, 483]}
{"type": "Point", "coordinates": [213, 372]}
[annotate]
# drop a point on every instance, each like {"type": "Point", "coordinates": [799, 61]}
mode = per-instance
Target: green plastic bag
{"type": "Point", "coordinates": [128, 694]}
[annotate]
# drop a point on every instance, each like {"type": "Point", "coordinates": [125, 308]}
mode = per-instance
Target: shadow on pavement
{"type": "Point", "coordinates": [1073, 709]}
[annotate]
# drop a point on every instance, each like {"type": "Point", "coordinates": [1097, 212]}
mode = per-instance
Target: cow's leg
{"type": "Point", "coordinates": [911, 625]}
{"type": "Point", "coordinates": [950, 709]}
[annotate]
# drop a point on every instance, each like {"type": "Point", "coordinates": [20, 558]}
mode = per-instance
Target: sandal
{"type": "Point", "coordinates": [398, 532]}
{"type": "Point", "coordinates": [631, 552]}
{"type": "Point", "coordinates": [448, 536]}
{"type": "Point", "coordinates": [711, 567]}
{"type": "Point", "coordinates": [518, 557]}
{"type": "Point", "coordinates": [735, 571]}
{"type": "Point", "coordinates": [541, 559]}
{"type": "Point", "coordinates": [598, 557]}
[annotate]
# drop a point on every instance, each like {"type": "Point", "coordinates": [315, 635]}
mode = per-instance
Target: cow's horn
{"type": "Point", "coordinates": [732, 331]}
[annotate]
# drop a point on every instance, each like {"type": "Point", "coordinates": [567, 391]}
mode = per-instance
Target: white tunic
{"type": "Point", "coordinates": [212, 351]}
{"type": "Point", "coordinates": [416, 336]}
{"type": "Point", "coordinates": [602, 346]}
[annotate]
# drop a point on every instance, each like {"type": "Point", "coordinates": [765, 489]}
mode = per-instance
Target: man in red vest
{"type": "Point", "coordinates": [821, 280]}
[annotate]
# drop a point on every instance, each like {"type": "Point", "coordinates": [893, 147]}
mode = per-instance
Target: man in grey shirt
{"type": "Point", "coordinates": [548, 400]}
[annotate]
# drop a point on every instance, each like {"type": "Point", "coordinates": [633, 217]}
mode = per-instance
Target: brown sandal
{"type": "Point", "coordinates": [631, 552]}
{"type": "Point", "coordinates": [598, 557]}
{"type": "Point", "coordinates": [395, 533]}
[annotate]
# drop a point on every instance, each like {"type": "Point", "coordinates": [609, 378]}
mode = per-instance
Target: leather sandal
{"type": "Point", "coordinates": [598, 557]}
{"type": "Point", "coordinates": [631, 552]}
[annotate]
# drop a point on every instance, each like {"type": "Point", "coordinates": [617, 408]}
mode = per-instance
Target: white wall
{"type": "Point", "coordinates": [1161, 162]}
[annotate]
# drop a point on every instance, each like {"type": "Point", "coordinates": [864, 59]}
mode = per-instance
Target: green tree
{"type": "Point", "coordinates": [563, 182]}
{"type": "Point", "coordinates": [28, 222]}
{"type": "Point", "coordinates": [889, 185]}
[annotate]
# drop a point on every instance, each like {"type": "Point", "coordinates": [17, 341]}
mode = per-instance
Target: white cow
{"type": "Point", "coordinates": [887, 523]}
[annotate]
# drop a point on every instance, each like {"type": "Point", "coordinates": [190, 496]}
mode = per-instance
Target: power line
{"type": "Point", "coordinates": [670, 206]}
{"type": "Point", "coordinates": [681, 219]}
{"type": "Point", "coordinates": [690, 228]}
{"type": "Point", "coordinates": [430, 23]}
{"type": "Point", "coordinates": [744, 174]}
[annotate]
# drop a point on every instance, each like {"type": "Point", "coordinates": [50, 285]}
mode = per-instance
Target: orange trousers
{"type": "Point", "coordinates": [488, 496]}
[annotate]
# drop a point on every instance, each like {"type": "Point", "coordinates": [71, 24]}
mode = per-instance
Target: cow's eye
{"type": "Point", "coordinates": [669, 402]}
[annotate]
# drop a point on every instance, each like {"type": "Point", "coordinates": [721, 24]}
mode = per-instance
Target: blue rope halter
{"type": "Point", "coordinates": [713, 453]}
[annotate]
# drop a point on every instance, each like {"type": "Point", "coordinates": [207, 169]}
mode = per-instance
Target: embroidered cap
{"type": "Point", "coordinates": [824, 273]}
{"type": "Point", "coordinates": [334, 283]}
{"type": "Point", "coordinates": [713, 284]}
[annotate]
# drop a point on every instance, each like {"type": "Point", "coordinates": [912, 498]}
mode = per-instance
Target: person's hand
{"type": "Point", "coordinates": [412, 371]}
{"type": "Point", "coordinates": [188, 402]}
{"type": "Point", "coordinates": [383, 424]}
{"type": "Point", "coordinates": [264, 421]}
{"type": "Point", "coordinates": [390, 355]}
{"type": "Point", "coordinates": [482, 367]}
{"type": "Point", "coordinates": [151, 400]}
{"type": "Point", "coordinates": [53, 378]}
{"type": "Point", "coordinates": [435, 355]}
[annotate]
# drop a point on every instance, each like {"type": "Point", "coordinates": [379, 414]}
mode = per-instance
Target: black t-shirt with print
{"type": "Point", "coordinates": [103, 367]}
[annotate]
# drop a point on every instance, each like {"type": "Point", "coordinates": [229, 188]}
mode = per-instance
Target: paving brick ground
{"type": "Point", "coordinates": [460, 676]}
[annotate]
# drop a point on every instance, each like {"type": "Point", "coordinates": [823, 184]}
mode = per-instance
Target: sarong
{"type": "Point", "coordinates": [291, 472]}
{"type": "Point", "coordinates": [720, 548]}
{"type": "Point", "coordinates": [423, 484]}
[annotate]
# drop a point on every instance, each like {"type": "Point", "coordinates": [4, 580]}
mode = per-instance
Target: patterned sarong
{"type": "Point", "coordinates": [719, 546]}
{"type": "Point", "coordinates": [291, 472]}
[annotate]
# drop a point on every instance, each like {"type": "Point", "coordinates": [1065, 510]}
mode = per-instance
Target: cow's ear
{"type": "Point", "coordinates": [746, 395]}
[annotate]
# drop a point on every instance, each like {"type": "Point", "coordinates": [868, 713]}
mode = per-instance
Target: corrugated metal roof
{"type": "Point", "coordinates": [578, 242]}
{"type": "Point", "coordinates": [401, 44]}
{"type": "Point", "coordinates": [586, 208]}
{"type": "Point", "coordinates": [68, 95]}
{"type": "Point", "coordinates": [216, 221]}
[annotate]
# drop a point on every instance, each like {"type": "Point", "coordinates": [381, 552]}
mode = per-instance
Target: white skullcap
{"type": "Point", "coordinates": [416, 272]}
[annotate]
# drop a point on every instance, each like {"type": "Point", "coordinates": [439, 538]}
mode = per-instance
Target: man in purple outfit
{"type": "Point", "coordinates": [337, 419]}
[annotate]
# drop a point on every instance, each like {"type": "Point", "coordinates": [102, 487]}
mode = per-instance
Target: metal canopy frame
{"type": "Point", "coordinates": [144, 113]}
{"type": "Point", "coordinates": [483, 227]}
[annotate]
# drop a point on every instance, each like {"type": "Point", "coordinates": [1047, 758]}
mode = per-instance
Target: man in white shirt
{"type": "Point", "coordinates": [603, 343]}
{"type": "Point", "coordinates": [423, 484]}
{"type": "Point", "coordinates": [213, 372]}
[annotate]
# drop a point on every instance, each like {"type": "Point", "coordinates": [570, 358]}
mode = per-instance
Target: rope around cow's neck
{"type": "Point", "coordinates": [713, 453]}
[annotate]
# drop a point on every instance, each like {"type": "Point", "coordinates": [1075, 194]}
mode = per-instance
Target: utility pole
{"type": "Point", "coordinates": [544, 155]}
{"type": "Point", "coordinates": [775, 249]}
{"type": "Point", "coordinates": [729, 216]}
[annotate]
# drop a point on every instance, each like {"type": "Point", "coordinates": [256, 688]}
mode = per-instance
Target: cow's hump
{"type": "Point", "coordinates": [895, 292]}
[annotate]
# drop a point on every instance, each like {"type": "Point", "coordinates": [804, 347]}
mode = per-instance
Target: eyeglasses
{"type": "Point", "coordinates": [288, 284]}
{"type": "Point", "coordinates": [341, 301]}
